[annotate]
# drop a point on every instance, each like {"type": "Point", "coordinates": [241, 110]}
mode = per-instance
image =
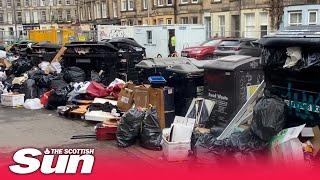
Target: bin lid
{"type": "Point", "coordinates": [293, 36]}
{"type": "Point", "coordinates": [186, 68]}
{"type": "Point", "coordinates": [128, 41]}
{"type": "Point", "coordinates": [161, 62]}
{"type": "Point", "coordinates": [230, 62]}
{"type": "Point", "coordinates": [92, 44]}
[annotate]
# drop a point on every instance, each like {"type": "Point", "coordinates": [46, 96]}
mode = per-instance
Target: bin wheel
{"type": "Point", "coordinates": [159, 56]}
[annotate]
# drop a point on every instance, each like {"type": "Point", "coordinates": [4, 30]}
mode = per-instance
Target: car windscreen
{"type": "Point", "coordinates": [230, 43]}
{"type": "Point", "coordinates": [211, 43]}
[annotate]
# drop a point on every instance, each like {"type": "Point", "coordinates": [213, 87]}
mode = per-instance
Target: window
{"type": "Point", "coordinates": [216, 1]}
{"type": "Point", "coordinates": [145, 4]}
{"type": "Point", "coordinates": [169, 2]}
{"type": "Point", "coordinates": [68, 15]}
{"type": "Point", "coordinates": [194, 20]}
{"type": "Point", "coordinates": [104, 10]}
{"type": "Point", "coordinates": [160, 21]}
{"type": "Point", "coordinates": [35, 17]}
{"type": "Point", "coordinates": [9, 3]}
{"type": "Point", "coordinates": [27, 3]}
{"type": "Point", "coordinates": [59, 2]}
{"type": "Point", "coordinates": [27, 15]}
{"type": "Point", "coordinates": [43, 16]}
{"type": "Point", "coordinates": [130, 22]}
{"type": "Point", "coordinates": [42, 2]}
{"type": "Point", "coordinates": [249, 25]}
{"type": "Point", "coordinates": [35, 3]}
{"type": "Point", "coordinates": [194, 1]}
{"type": "Point", "coordinates": [160, 2]}
{"type": "Point", "coordinates": [0, 3]}
{"type": "Point", "coordinates": [222, 26]}
{"type": "Point", "coordinates": [149, 37]}
{"type": "Point", "coordinates": [60, 18]}
{"type": "Point", "coordinates": [97, 10]}
{"type": "Point", "coordinates": [169, 21]}
{"type": "Point", "coordinates": [263, 24]}
{"type": "Point", "coordinates": [123, 5]}
{"type": "Point", "coordinates": [184, 20]}
{"type": "Point", "coordinates": [68, 2]}
{"type": "Point", "coordinates": [9, 17]}
{"type": "Point", "coordinates": [115, 9]}
{"type": "Point", "coordinates": [1, 17]}
{"type": "Point", "coordinates": [18, 3]}
{"type": "Point", "coordinates": [313, 17]}
{"type": "Point", "coordinates": [19, 17]}
{"type": "Point", "coordinates": [295, 18]}
{"type": "Point", "coordinates": [130, 5]}
{"type": "Point", "coordinates": [184, 1]}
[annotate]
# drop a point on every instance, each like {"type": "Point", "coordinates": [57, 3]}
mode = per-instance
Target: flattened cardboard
{"type": "Point", "coordinates": [156, 99]}
{"type": "Point", "coordinates": [141, 96]}
{"type": "Point", "coordinates": [125, 100]}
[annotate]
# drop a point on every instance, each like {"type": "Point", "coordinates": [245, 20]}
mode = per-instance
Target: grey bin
{"type": "Point", "coordinates": [187, 81]}
{"type": "Point", "coordinates": [157, 66]}
{"type": "Point", "coordinates": [227, 81]}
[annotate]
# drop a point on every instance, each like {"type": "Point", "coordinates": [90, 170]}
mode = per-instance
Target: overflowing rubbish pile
{"type": "Point", "coordinates": [237, 106]}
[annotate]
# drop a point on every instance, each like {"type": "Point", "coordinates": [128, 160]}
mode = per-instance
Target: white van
{"type": "Point", "coordinates": [156, 38]}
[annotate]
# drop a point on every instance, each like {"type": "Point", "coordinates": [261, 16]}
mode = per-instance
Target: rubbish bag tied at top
{"type": "Point", "coordinates": [129, 127]}
{"type": "Point", "coordinates": [151, 133]}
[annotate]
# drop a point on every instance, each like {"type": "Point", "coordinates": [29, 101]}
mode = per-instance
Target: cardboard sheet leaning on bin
{"type": "Point", "coordinates": [244, 114]}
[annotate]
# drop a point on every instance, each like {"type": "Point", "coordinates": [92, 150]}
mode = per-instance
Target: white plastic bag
{"type": "Point", "coordinates": [33, 104]}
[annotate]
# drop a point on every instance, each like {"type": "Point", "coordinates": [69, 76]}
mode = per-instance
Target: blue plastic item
{"type": "Point", "coordinates": [157, 81]}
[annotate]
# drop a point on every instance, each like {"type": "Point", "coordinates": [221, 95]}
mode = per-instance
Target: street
{"type": "Point", "coordinates": [40, 129]}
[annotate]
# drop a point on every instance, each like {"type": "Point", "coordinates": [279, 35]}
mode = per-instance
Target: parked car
{"type": "Point", "coordinates": [204, 51]}
{"type": "Point", "coordinates": [243, 46]}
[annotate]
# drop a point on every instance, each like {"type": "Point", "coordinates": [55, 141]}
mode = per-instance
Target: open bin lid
{"type": "Point", "coordinates": [161, 62]}
{"type": "Point", "coordinates": [230, 62]}
{"type": "Point", "coordinates": [293, 36]}
{"type": "Point", "coordinates": [187, 68]}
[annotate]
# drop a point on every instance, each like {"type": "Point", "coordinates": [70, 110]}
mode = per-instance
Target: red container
{"type": "Point", "coordinates": [105, 132]}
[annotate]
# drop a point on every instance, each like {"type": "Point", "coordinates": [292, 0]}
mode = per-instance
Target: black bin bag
{"type": "Point", "coordinates": [129, 127]}
{"type": "Point", "coordinates": [151, 133]}
{"type": "Point", "coordinates": [268, 117]}
{"type": "Point", "coordinates": [74, 74]}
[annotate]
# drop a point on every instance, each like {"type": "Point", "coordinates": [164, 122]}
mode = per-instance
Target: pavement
{"type": "Point", "coordinates": [20, 128]}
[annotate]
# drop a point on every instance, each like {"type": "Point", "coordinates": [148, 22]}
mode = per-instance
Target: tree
{"type": "Point", "coordinates": [276, 12]}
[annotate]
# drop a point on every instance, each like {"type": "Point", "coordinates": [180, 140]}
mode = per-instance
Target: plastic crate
{"type": "Point", "coordinates": [12, 100]}
{"type": "Point", "coordinates": [175, 151]}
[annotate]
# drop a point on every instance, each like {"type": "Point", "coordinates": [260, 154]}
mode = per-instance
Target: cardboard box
{"type": "Point", "coordinates": [12, 100]}
{"type": "Point", "coordinates": [141, 96]}
{"type": "Point", "coordinates": [287, 145]}
{"type": "Point", "coordinates": [125, 100]}
{"type": "Point", "coordinates": [156, 99]}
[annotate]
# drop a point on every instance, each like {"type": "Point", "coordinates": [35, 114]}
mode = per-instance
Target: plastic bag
{"type": "Point", "coordinates": [56, 99]}
{"type": "Point", "coordinates": [96, 89]}
{"type": "Point", "coordinates": [74, 74]}
{"type": "Point", "coordinates": [129, 127]}
{"type": "Point", "coordinates": [33, 104]}
{"type": "Point", "coordinates": [20, 66]}
{"type": "Point", "coordinates": [95, 76]}
{"type": "Point", "coordinates": [151, 133]}
{"type": "Point", "coordinates": [268, 117]}
{"type": "Point", "coordinates": [273, 57]}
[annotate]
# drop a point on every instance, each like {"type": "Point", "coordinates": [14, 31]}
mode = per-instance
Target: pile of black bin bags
{"type": "Point", "coordinates": [140, 125]}
{"type": "Point", "coordinates": [57, 86]}
{"type": "Point", "coordinates": [268, 120]}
